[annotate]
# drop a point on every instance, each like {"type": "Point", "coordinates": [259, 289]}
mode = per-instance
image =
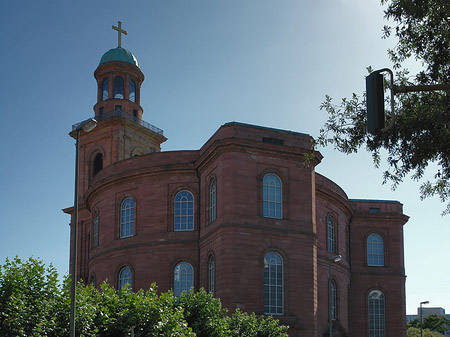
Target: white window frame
{"type": "Point", "coordinates": [211, 273]}
{"type": "Point", "coordinates": [212, 200]}
{"type": "Point", "coordinates": [331, 231]}
{"type": "Point", "coordinates": [125, 278]}
{"type": "Point", "coordinates": [95, 230]}
{"type": "Point", "coordinates": [273, 291]}
{"type": "Point", "coordinates": [127, 217]}
{"type": "Point", "coordinates": [377, 314]}
{"type": "Point", "coordinates": [183, 278]}
{"type": "Point", "coordinates": [184, 210]}
{"type": "Point", "coordinates": [375, 250]}
{"type": "Point", "coordinates": [272, 196]}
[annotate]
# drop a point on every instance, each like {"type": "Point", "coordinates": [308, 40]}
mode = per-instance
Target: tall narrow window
{"type": "Point", "coordinates": [272, 195]}
{"type": "Point", "coordinates": [211, 268]}
{"type": "Point", "coordinates": [330, 235]}
{"type": "Point", "coordinates": [184, 211]}
{"type": "Point", "coordinates": [132, 95]}
{"type": "Point", "coordinates": [273, 284]}
{"type": "Point", "coordinates": [127, 218]}
{"type": "Point", "coordinates": [377, 314]}
{"type": "Point", "coordinates": [375, 250]}
{"type": "Point", "coordinates": [212, 201]}
{"type": "Point", "coordinates": [105, 89]}
{"type": "Point", "coordinates": [95, 229]}
{"type": "Point", "coordinates": [332, 297]}
{"type": "Point", "coordinates": [183, 278]}
{"type": "Point", "coordinates": [125, 278]}
{"type": "Point", "coordinates": [118, 87]}
{"type": "Point", "coordinates": [98, 164]}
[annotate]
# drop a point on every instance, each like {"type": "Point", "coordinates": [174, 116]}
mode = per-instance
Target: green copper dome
{"type": "Point", "coordinates": [119, 54]}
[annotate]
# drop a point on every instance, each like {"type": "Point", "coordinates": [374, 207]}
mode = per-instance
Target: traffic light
{"type": "Point", "coordinates": [375, 102]}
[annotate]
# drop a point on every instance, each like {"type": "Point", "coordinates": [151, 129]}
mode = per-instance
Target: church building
{"type": "Point", "coordinates": [243, 217]}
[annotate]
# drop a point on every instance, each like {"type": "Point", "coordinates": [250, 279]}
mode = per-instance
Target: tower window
{"type": "Point", "coordinates": [118, 87]}
{"type": "Point", "coordinates": [125, 278]}
{"type": "Point", "coordinates": [183, 278]}
{"type": "Point", "coordinates": [377, 314]}
{"type": "Point", "coordinates": [272, 200]}
{"type": "Point", "coordinates": [96, 229]}
{"type": "Point", "coordinates": [184, 211]}
{"type": "Point", "coordinates": [211, 269]}
{"type": "Point", "coordinates": [105, 89]}
{"type": "Point", "coordinates": [331, 245]}
{"type": "Point", "coordinates": [98, 164]}
{"type": "Point", "coordinates": [273, 284]}
{"type": "Point", "coordinates": [212, 201]}
{"type": "Point", "coordinates": [127, 218]}
{"type": "Point", "coordinates": [333, 298]}
{"type": "Point", "coordinates": [375, 250]}
{"type": "Point", "coordinates": [132, 95]}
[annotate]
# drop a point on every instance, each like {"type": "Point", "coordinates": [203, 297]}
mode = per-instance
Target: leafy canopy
{"type": "Point", "coordinates": [431, 322]}
{"type": "Point", "coordinates": [421, 133]}
{"type": "Point", "coordinates": [415, 332]}
{"type": "Point", "coordinates": [34, 304]}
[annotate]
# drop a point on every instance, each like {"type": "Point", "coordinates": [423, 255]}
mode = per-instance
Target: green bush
{"type": "Point", "coordinates": [34, 304]}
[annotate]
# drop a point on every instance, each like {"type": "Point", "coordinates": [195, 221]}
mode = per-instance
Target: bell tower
{"type": "Point", "coordinates": [119, 81]}
{"type": "Point", "coordinates": [120, 133]}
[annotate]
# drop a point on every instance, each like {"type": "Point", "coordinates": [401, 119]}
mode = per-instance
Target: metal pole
{"type": "Point", "coordinates": [74, 246]}
{"type": "Point", "coordinates": [421, 315]}
{"type": "Point", "coordinates": [330, 306]}
{"type": "Point", "coordinates": [421, 332]}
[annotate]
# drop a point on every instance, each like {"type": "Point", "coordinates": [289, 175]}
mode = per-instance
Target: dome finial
{"type": "Point", "coordinates": [120, 31]}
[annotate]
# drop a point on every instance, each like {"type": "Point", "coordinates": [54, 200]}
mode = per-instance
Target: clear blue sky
{"type": "Point", "coordinates": [206, 62]}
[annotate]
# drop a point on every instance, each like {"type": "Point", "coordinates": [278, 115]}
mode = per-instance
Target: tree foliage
{"type": "Point", "coordinates": [431, 322]}
{"type": "Point", "coordinates": [33, 303]}
{"type": "Point", "coordinates": [421, 132]}
{"type": "Point", "coordinates": [415, 332]}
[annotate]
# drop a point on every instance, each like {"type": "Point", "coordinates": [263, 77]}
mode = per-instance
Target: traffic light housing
{"type": "Point", "coordinates": [375, 102]}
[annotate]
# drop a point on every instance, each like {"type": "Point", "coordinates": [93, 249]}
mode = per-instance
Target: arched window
{"type": "Point", "coordinates": [377, 314]}
{"type": "Point", "coordinates": [118, 87]}
{"type": "Point", "coordinates": [105, 89]}
{"type": "Point", "coordinates": [272, 196]}
{"type": "Point", "coordinates": [125, 278]}
{"type": "Point", "coordinates": [127, 218]}
{"type": "Point", "coordinates": [184, 211]}
{"type": "Point", "coordinates": [273, 284]}
{"type": "Point", "coordinates": [132, 95]}
{"type": "Point", "coordinates": [211, 269]}
{"type": "Point", "coordinates": [331, 247]}
{"type": "Point", "coordinates": [212, 201]}
{"type": "Point", "coordinates": [95, 229]}
{"type": "Point", "coordinates": [375, 250]}
{"type": "Point", "coordinates": [183, 279]}
{"type": "Point", "coordinates": [98, 164]}
{"type": "Point", "coordinates": [332, 296]}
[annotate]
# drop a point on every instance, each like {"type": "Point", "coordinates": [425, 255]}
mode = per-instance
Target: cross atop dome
{"type": "Point", "coordinates": [120, 31]}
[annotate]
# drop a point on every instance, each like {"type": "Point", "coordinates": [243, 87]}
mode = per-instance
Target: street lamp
{"type": "Point", "coordinates": [332, 259]}
{"type": "Point", "coordinates": [87, 126]}
{"type": "Point", "coordinates": [421, 315]}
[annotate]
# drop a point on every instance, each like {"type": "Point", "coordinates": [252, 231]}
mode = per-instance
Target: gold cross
{"type": "Point", "coordinates": [120, 31]}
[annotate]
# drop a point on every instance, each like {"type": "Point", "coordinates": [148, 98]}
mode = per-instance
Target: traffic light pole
{"type": "Point", "coordinates": [375, 98]}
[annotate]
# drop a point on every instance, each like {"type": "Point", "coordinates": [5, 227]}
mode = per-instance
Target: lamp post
{"type": "Point", "coordinates": [332, 259]}
{"type": "Point", "coordinates": [421, 315]}
{"type": "Point", "coordinates": [86, 126]}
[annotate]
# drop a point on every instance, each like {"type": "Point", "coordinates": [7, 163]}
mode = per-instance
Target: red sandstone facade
{"type": "Point", "coordinates": [121, 158]}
